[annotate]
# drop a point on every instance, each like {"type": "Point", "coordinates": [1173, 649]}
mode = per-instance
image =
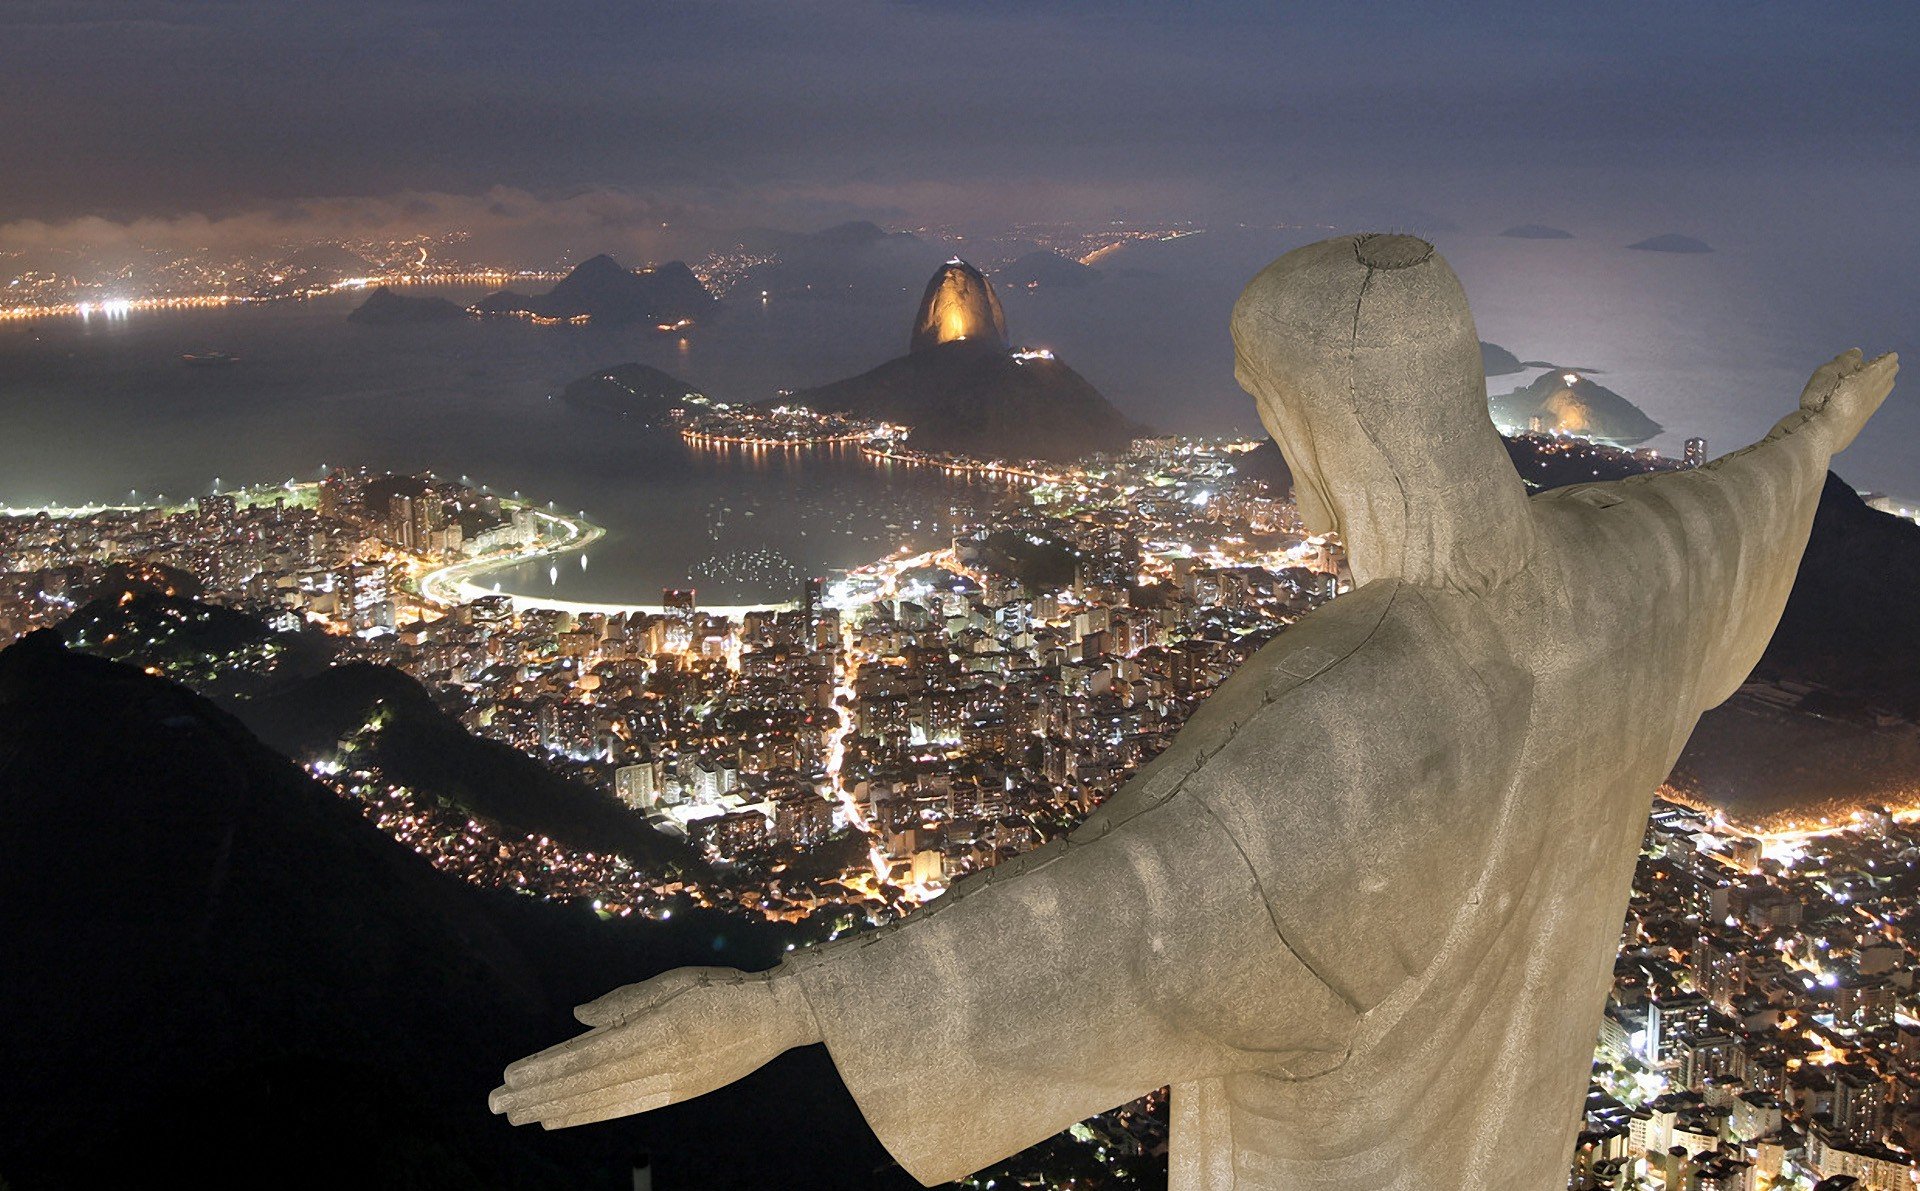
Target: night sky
{"type": "Point", "coordinates": [1789, 116]}
{"type": "Point", "coordinates": [1786, 136]}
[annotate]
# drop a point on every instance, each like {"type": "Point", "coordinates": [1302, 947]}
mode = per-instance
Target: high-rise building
{"type": "Point", "coordinates": [678, 606]}
{"type": "Point", "coordinates": [812, 595]}
{"type": "Point", "coordinates": [638, 785]}
{"type": "Point", "coordinates": [1696, 453]}
{"type": "Point", "coordinates": [401, 521]}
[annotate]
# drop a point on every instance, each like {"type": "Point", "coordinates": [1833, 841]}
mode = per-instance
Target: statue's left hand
{"type": "Point", "coordinates": [664, 1040]}
{"type": "Point", "coordinates": [1846, 390]}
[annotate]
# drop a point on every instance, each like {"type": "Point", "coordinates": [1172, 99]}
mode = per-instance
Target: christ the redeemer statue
{"type": "Point", "coordinates": [1362, 913]}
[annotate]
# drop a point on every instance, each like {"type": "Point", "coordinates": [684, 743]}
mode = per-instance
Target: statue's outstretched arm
{"type": "Point", "coordinates": [1066, 981]}
{"type": "Point", "coordinates": [1744, 518]}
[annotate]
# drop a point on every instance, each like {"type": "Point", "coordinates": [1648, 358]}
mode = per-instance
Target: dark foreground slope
{"type": "Point", "coordinates": [216, 973]}
{"type": "Point", "coordinates": [1853, 623]}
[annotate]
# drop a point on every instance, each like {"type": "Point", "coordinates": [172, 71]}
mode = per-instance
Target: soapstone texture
{"type": "Point", "coordinates": [1362, 913]}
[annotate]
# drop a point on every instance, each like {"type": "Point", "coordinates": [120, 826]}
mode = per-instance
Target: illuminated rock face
{"type": "Point", "coordinates": [1565, 402]}
{"type": "Point", "coordinates": [1362, 913]}
{"type": "Point", "coordinates": [959, 304]}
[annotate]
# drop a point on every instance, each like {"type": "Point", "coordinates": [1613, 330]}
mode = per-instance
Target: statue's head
{"type": "Point", "coordinates": [1363, 358]}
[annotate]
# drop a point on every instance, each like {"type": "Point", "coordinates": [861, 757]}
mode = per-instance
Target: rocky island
{"type": "Point", "coordinates": [632, 390]}
{"type": "Point", "coordinates": [1564, 402]}
{"type": "Point", "coordinates": [963, 389]}
{"type": "Point", "coordinates": [386, 308]}
{"type": "Point", "coordinates": [601, 290]}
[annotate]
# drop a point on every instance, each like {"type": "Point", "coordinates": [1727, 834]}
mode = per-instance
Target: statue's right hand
{"type": "Point", "coordinates": [1846, 390]}
{"type": "Point", "coordinates": [658, 1042]}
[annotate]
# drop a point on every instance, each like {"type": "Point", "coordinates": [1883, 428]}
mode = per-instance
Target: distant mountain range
{"type": "Point", "coordinates": [856, 261]}
{"type": "Point", "coordinates": [610, 294]}
{"type": "Point", "coordinates": [385, 307]}
{"type": "Point", "coordinates": [960, 387]}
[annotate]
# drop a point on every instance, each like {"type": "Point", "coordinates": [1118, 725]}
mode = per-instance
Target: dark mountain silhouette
{"type": "Point", "coordinates": [1671, 242]}
{"type": "Point", "coordinates": [1497, 360]}
{"type": "Point", "coordinates": [1045, 268]}
{"type": "Point", "coordinates": [962, 390]}
{"type": "Point", "coordinates": [218, 651]}
{"type": "Point", "coordinates": [1850, 632]}
{"type": "Point", "coordinates": [1537, 231]}
{"type": "Point", "coordinates": [1266, 464]}
{"type": "Point", "coordinates": [422, 747]}
{"type": "Point", "coordinates": [1852, 624]}
{"type": "Point", "coordinates": [857, 233]}
{"type": "Point", "coordinates": [1545, 464]}
{"type": "Point", "coordinates": [386, 308]}
{"type": "Point", "coordinates": [850, 261]}
{"type": "Point", "coordinates": [610, 294]}
{"type": "Point", "coordinates": [1566, 402]}
{"type": "Point", "coordinates": [978, 399]}
{"type": "Point", "coordinates": [219, 974]}
{"type": "Point", "coordinates": [282, 687]}
{"type": "Point", "coordinates": [630, 390]}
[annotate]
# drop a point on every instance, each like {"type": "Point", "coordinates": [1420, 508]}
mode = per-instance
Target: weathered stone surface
{"type": "Point", "coordinates": [1362, 914]}
{"type": "Point", "coordinates": [959, 304]}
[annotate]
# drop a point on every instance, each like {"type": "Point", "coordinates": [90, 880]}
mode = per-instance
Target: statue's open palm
{"type": "Point", "coordinates": [658, 1042]}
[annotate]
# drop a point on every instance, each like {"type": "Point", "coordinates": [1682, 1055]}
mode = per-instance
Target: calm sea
{"type": "Point", "coordinates": [103, 408]}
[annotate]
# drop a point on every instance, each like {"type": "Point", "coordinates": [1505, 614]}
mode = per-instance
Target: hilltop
{"type": "Point", "coordinates": [608, 293]}
{"type": "Point", "coordinates": [386, 308]}
{"type": "Point", "coordinates": [962, 390]}
{"type": "Point", "coordinates": [1567, 402]}
{"type": "Point", "coordinates": [397, 727]}
{"type": "Point", "coordinates": [978, 399]}
{"type": "Point", "coordinates": [630, 390]}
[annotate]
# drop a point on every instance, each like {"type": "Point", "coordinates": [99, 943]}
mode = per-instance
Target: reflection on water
{"type": "Point", "coordinates": [742, 525]}
{"type": "Point", "coordinates": [92, 410]}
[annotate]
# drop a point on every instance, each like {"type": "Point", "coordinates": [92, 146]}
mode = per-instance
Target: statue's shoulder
{"type": "Point", "coordinates": [1431, 659]}
{"type": "Point", "coordinates": [1361, 762]}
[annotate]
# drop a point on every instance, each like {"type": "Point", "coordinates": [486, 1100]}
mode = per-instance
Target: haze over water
{"type": "Point", "coordinates": [1716, 344]}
